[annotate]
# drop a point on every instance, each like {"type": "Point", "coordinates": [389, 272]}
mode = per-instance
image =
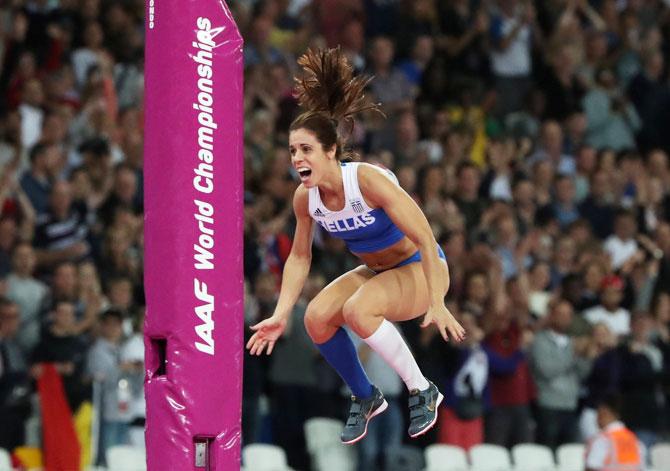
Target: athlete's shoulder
{"type": "Point", "coordinates": [301, 200]}
{"type": "Point", "coordinates": [372, 173]}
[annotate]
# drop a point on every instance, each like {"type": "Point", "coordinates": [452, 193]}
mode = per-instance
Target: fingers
{"type": "Point", "coordinates": [456, 331]}
{"type": "Point", "coordinates": [257, 344]}
{"type": "Point", "coordinates": [427, 320]}
{"type": "Point", "coordinates": [258, 326]}
{"type": "Point", "coordinates": [443, 332]}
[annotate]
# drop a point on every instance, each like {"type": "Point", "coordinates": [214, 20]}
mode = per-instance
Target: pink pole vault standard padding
{"type": "Point", "coordinates": [193, 236]}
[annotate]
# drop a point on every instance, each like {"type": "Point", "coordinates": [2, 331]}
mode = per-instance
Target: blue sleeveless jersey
{"type": "Point", "coordinates": [362, 228]}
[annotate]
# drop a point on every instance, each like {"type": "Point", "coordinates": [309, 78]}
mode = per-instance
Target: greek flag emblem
{"type": "Point", "coordinates": [357, 205]}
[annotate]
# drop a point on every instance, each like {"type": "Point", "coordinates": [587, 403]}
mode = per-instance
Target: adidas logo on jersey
{"type": "Point", "coordinates": [318, 213]}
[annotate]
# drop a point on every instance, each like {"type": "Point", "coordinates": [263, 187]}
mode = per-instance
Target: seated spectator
{"type": "Point", "coordinates": [14, 380]}
{"type": "Point", "coordinates": [29, 293]}
{"type": "Point", "coordinates": [616, 447]}
{"type": "Point", "coordinates": [609, 311]}
{"type": "Point", "coordinates": [557, 369]}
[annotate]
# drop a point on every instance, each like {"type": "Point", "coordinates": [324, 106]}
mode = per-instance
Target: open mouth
{"type": "Point", "coordinates": [304, 172]}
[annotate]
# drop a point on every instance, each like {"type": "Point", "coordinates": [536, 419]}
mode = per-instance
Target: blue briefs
{"type": "Point", "coordinates": [416, 257]}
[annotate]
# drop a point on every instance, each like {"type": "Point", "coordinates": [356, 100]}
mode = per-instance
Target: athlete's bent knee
{"type": "Point", "coordinates": [358, 314]}
{"type": "Point", "coordinates": [317, 322]}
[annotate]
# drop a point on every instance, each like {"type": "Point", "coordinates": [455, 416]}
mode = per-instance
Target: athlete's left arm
{"type": "Point", "coordinates": [381, 192]}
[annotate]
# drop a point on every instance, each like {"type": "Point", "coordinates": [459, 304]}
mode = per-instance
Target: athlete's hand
{"type": "Point", "coordinates": [266, 334]}
{"type": "Point", "coordinates": [445, 321]}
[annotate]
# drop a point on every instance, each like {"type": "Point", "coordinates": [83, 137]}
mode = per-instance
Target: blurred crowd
{"type": "Point", "coordinates": [534, 135]}
{"type": "Point", "coordinates": [71, 245]}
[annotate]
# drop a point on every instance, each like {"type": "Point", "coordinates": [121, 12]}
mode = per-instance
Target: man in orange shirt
{"type": "Point", "coordinates": [615, 448]}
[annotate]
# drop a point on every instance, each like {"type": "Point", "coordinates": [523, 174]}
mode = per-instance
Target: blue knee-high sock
{"type": "Point", "coordinates": [341, 354]}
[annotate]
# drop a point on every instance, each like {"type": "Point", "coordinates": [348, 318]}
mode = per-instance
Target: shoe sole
{"type": "Point", "coordinates": [440, 398]}
{"type": "Point", "coordinates": [377, 411]}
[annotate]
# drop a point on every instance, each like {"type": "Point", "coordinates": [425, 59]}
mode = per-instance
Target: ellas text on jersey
{"type": "Point", "coordinates": [348, 224]}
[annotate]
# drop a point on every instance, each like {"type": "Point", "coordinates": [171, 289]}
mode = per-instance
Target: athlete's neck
{"type": "Point", "coordinates": [331, 184]}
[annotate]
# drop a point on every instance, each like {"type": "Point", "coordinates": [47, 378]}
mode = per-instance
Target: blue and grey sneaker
{"type": "Point", "coordinates": [360, 413]}
{"type": "Point", "coordinates": [423, 406]}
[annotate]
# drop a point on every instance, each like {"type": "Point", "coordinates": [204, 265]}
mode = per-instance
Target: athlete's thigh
{"type": "Point", "coordinates": [400, 293]}
{"type": "Point", "coordinates": [327, 305]}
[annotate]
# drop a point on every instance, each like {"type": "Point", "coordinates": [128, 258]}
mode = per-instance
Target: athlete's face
{"type": "Point", "coordinates": [308, 156]}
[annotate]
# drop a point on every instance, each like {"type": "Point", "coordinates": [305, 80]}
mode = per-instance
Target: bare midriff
{"type": "Point", "coordinates": [390, 256]}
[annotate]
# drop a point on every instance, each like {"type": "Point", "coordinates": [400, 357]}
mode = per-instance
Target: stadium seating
{"type": "Point", "coordinates": [489, 458]}
{"type": "Point", "coordinates": [441, 457]}
{"type": "Point", "coordinates": [570, 457]}
{"type": "Point", "coordinates": [126, 458]}
{"type": "Point", "coordinates": [403, 458]}
{"type": "Point", "coordinates": [322, 432]}
{"type": "Point", "coordinates": [660, 456]}
{"type": "Point", "coordinates": [532, 457]}
{"type": "Point", "coordinates": [263, 457]}
{"type": "Point", "coordinates": [5, 461]}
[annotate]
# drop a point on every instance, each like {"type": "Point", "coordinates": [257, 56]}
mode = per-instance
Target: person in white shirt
{"type": "Point", "coordinates": [609, 312]}
{"type": "Point", "coordinates": [622, 246]}
{"type": "Point", "coordinates": [616, 448]}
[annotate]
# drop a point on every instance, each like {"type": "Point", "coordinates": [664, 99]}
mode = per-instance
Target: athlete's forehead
{"type": "Point", "coordinates": [302, 137]}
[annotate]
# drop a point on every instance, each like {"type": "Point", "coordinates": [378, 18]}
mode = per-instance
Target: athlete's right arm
{"type": "Point", "coordinates": [296, 269]}
{"type": "Point", "coordinates": [299, 260]}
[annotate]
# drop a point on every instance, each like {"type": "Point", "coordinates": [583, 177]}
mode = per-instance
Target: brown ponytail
{"type": "Point", "coordinates": [330, 95]}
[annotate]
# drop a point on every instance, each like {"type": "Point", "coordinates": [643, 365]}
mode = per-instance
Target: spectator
{"type": "Point", "coordinates": [14, 380]}
{"type": "Point", "coordinates": [597, 208]}
{"type": "Point", "coordinates": [557, 369]}
{"type": "Point", "coordinates": [61, 233]}
{"type": "Point", "coordinates": [642, 366]}
{"type": "Point", "coordinates": [511, 37]}
{"type": "Point", "coordinates": [612, 121]}
{"type": "Point", "coordinates": [104, 366]}
{"type": "Point", "coordinates": [551, 149]}
{"type": "Point", "coordinates": [609, 311]}
{"type": "Point", "coordinates": [508, 422]}
{"type": "Point", "coordinates": [29, 293]}
{"type": "Point", "coordinates": [603, 380]}
{"type": "Point", "coordinates": [37, 181]}
{"type": "Point", "coordinates": [294, 381]}
{"type": "Point", "coordinates": [63, 346]}
{"type": "Point", "coordinates": [132, 366]}
{"type": "Point", "coordinates": [465, 378]}
{"type": "Point", "coordinates": [622, 246]}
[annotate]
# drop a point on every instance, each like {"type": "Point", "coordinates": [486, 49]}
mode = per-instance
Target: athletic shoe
{"type": "Point", "coordinates": [423, 406]}
{"type": "Point", "coordinates": [360, 413]}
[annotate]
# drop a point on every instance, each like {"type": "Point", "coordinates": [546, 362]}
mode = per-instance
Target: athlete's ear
{"type": "Point", "coordinates": [330, 153]}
